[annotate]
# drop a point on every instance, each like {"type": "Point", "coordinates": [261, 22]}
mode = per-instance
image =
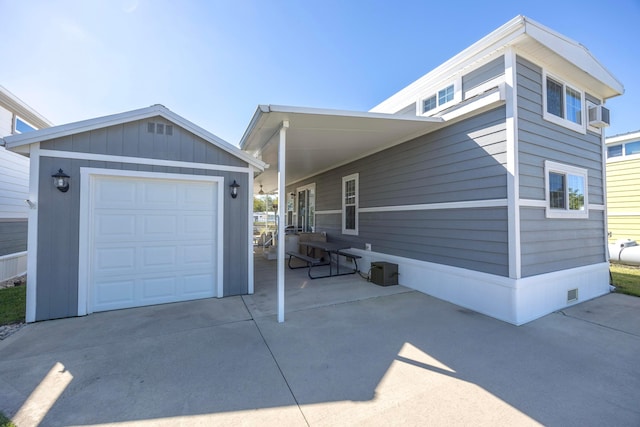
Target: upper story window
{"type": "Point", "coordinates": [563, 104]}
{"type": "Point", "coordinates": [566, 191]}
{"type": "Point", "coordinates": [350, 204]}
{"type": "Point", "coordinates": [435, 101]}
{"type": "Point", "coordinates": [21, 126]}
{"type": "Point", "coordinates": [621, 150]}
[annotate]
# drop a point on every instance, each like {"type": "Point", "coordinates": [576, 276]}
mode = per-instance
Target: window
{"type": "Point", "coordinates": [632, 148]}
{"type": "Point", "coordinates": [614, 151]}
{"type": "Point", "coordinates": [566, 191]}
{"type": "Point", "coordinates": [437, 100]}
{"type": "Point", "coordinates": [20, 126]}
{"type": "Point", "coordinates": [350, 204]}
{"type": "Point", "coordinates": [563, 104]}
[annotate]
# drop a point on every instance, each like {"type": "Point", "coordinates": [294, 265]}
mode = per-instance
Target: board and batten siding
{"type": "Point", "coordinates": [549, 245]}
{"type": "Point", "coordinates": [58, 216]}
{"type": "Point", "coordinates": [462, 162]}
{"type": "Point", "coordinates": [623, 199]}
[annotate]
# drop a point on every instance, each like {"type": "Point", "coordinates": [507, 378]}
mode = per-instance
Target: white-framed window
{"type": "Point", "coordinates": [563, 103]}
{"type": "Point", "coordinates": [21, 126]}
{"type": "Point", "coordinates": [440, 99]}
{"type": "Point", "coordinates": [350, 204]}
{"type": "Point", "coordinates": [566, 191]}
{"type": "Point", "coordinates": [631, 148]}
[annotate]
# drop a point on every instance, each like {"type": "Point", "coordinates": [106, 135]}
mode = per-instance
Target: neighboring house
{"type": "Point", "coordinates": [623, 191]}
{"type": "Point", "coordinates": [147, 216]}
{"type": "Point", "coordinates": [483, 180]}
{"type": "Point", "coordinates": [16, 117]}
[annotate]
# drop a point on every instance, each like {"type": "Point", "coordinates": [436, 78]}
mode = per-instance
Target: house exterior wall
{"type": "Point", "coordinates": [483, 74]}
{"type": "Point", "coordinates": [14, 190]}
{"type": "Point", "coordinates": [6, 121]}
{"type": "Point", "coordinates": [549, 245]}
{"type": "Point", "coordinates": [58, 213]}
{"type": "Point", "coordinates": [623, 198]}
{"type": "Point", "coordinates": [460, 163]}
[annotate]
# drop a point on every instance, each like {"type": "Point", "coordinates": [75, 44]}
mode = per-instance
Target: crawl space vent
{"type": "Point", "coordinates": [572, 295]}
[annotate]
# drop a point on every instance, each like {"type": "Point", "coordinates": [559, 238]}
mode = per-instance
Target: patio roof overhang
{"type": "Point", "coordinates": [318, 140]}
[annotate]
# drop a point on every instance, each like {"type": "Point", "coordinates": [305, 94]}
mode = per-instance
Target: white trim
{"type": "Point", "coordinates": [477, 106]}
{"type": "Point", "coordinates": [484, 87]}
{"type": "Point", "coordinates": [435, 91]}
{"type": "Point", "coordinates": [563, 121]}
{"type": "Point", "coordinates": [353, 177]}
{"type": "Point", "coordinates": [250, 278]}
{"type": "Point", "coordinates": [561, 168]}
{"type": "Point", "coordinates": [532, 203]}
{"type": "Point", "coordinates": [435, 206]}
{"type": "Point", "coordinates": [282, 188]}
{"type": "Point", "coordinates": [596, 207]}
{"type": "Point", "coordinates": [515, 301]}
{"type": "Point", "coordinates": [141, 161]}
{"type": "Point", "coordinates": [32, 234]}
{"type": "Point", "coordinates": [513, 175]}
{"type": "Point", "coordinates": [627, 137]}
{"type": "Point", "coordinates": [622, 158]}
{"type": "Point", "coordinates": [87, 184]}
{"type": "Point", "coordinates": [330, 212]}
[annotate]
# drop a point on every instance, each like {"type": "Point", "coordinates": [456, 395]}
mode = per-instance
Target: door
{"type": "Point", "coordinates": [306, 208]}
{"type": "Point", "coordinates": [151, 241]}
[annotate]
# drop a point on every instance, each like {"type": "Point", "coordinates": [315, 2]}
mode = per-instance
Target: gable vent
{"type": "Point", "coordinates": [168, 130]}
{"type": "Point", "coordinates": [572, 295]}
{"type": "Point", "coordinates": [151, 127]}
{"type": "Point", "coordinates": [159, 128]}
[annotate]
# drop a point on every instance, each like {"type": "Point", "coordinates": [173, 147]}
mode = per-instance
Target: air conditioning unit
{"type": "Point", "coordinates": [599, 116]}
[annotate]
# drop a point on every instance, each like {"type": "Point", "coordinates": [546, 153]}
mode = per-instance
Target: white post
{"type": "Point", "coordinates": [250, 278]}
{"type": "Point", "coordinates": [282, 157]}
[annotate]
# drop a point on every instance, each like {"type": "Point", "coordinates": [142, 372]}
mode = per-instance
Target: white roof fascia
{"type": "Point", "coordinates": [15, 141]}
{"type": "Point", "coordinates": [507, 34]}
{"type": "Point", "coordinates": [623, 138]}
{"type": "Point", "coordinates": [19, 107]}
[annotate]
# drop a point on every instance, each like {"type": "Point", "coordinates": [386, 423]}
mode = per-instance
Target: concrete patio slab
{"type": "Point", "coordinates": [405, 358]}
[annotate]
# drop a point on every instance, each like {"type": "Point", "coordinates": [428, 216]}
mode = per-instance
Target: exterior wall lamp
{"type": "Point", "coordinates": [61, 181]}
{"type": "Point", "coordinates": [234, 189]}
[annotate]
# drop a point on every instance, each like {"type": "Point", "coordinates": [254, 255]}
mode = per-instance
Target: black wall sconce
{"type": "Point", "coordinates": [61, 181]}
{"type": "Point", "coordinates": [234, 189]}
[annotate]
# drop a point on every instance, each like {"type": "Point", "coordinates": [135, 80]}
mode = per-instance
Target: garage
{"type": "Point", "coordinates": [150, 240]}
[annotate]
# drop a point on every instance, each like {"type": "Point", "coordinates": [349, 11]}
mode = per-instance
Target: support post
{"type": "Point", "coordinates": [282, 157]}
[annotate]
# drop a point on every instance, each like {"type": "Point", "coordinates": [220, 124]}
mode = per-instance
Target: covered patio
{"type": "Point", "coordinates": [299, 143]}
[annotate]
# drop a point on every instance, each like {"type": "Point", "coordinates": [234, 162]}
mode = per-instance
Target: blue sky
{"type": "Point", "coordinates": [213, 62]}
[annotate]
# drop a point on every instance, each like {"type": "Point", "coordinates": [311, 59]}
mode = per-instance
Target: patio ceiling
{"type": "Point", "coordinates": [318, 140]}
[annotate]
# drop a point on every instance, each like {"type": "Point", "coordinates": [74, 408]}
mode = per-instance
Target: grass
{"type": "Point", "coordinates": [13, 303]}
{"type": "Point", "coordinates": [626, 279]}
{"type": "Point", "coordinates": [5, 422]}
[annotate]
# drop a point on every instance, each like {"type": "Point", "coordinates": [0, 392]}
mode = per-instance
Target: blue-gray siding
{"type": "Point", "coordinates": [488, 71]}
{"type": "Point", "coordinates": [13, 236]}
{"type": "Point", "coordinates": [58, 213]}
{"type": "Point", "coordinates": [462, 162]}
{"type": "Point", "coordinates": [570, 243]}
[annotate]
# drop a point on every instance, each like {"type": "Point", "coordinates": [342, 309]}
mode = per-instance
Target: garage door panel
{"type": "Point", "coordinates": [114, 192]}
{"type": "Point", "coordinates": [114, 294]}
{"type": "Point", "coordinates": [118, 260]}
{"type": "Point", "coordinates": [159, 225]}
{"type": "Point", "coordinates": [197, 284]}
{"type": "Point", "coordinates": [155, 256]}
{"type": "Point", "coordinates": [158, 288]}
{"type": "Point", "coordinates": [153, 241]}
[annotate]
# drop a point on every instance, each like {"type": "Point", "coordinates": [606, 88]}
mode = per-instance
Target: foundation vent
{"type": "Point", "coordinates": [572, 295]}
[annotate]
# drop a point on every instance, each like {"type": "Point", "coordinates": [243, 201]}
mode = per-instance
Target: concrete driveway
{"type": "Point", "coordinates": [398, 359]}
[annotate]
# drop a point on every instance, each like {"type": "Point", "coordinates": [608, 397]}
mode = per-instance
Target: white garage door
{"type": "Point", "coordinates": [151, 241]}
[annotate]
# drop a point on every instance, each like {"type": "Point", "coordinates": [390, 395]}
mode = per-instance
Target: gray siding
{"type": "Point", "coordinates": [13, 236]}
{"type": "Point", "coordinates": [58, 213]}
{"type": "Point", "coordinates": [554, 244]}
{"type": "Point", "coordinates": [462, 162]}
{"type": "Point", "coordinates": [540, 140]}
{"type": "Point", "coordinates": [487, 72]}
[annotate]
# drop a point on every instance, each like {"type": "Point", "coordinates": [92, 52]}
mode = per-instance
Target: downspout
{"type": "Point", "coordinates": [282, 157]}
